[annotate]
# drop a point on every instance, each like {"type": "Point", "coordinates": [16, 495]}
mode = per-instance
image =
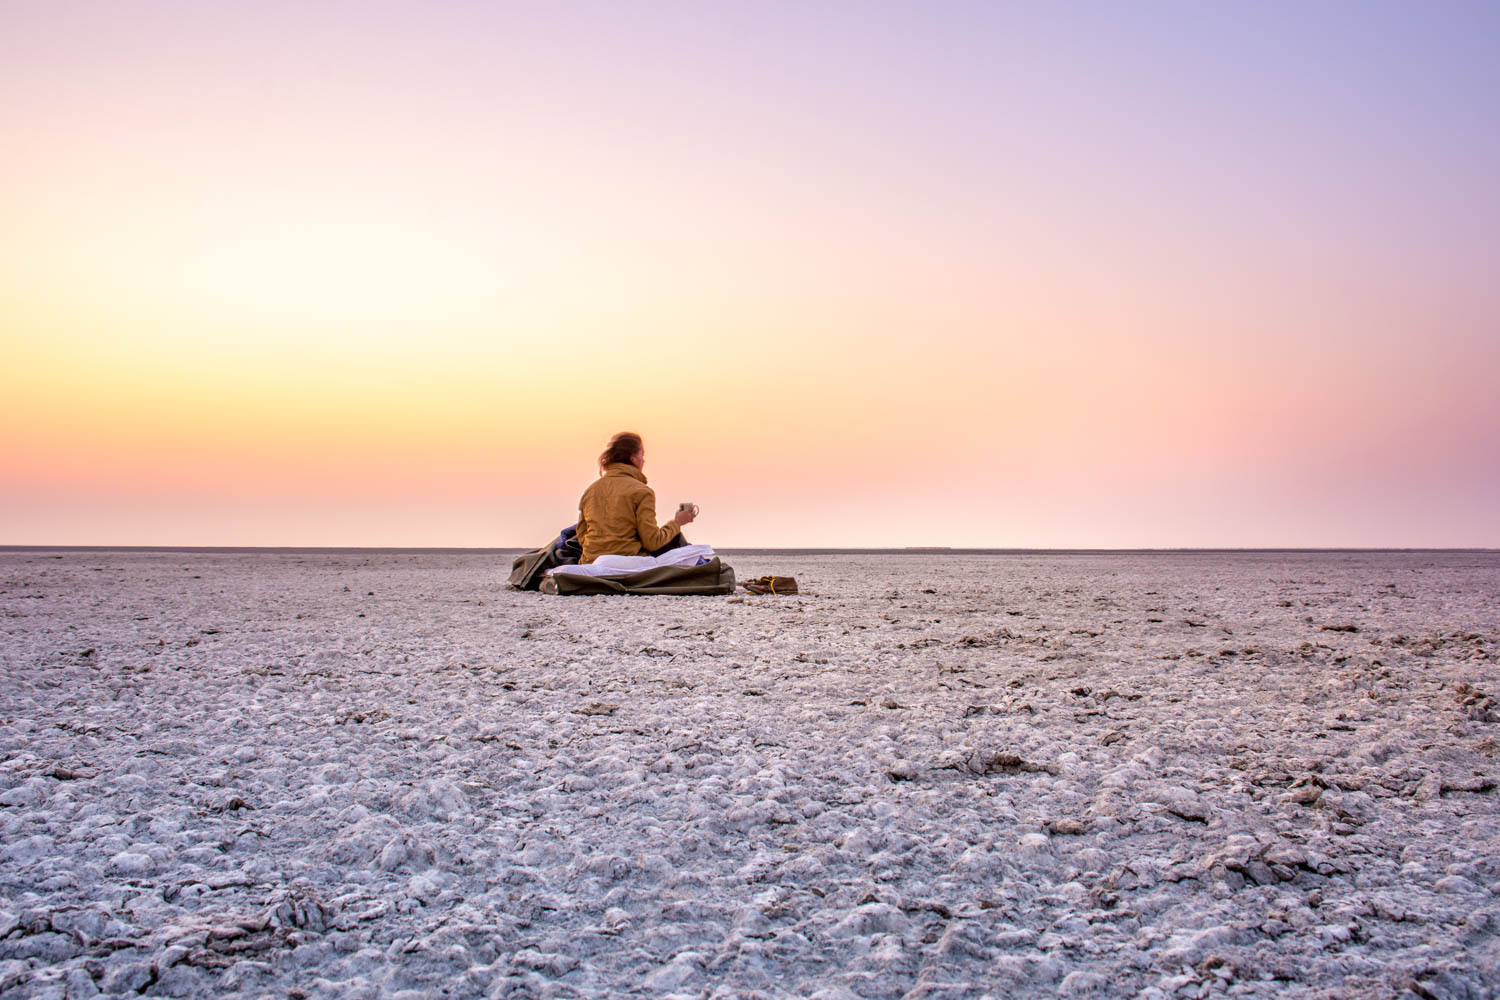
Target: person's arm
{"type": "Point", "coordinates": [581, 530]}
{"type": "Point", "coordinates": [652, 537]}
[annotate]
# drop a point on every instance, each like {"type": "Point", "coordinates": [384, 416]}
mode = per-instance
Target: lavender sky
{"type": "Point", "coordinates": [863, 274]}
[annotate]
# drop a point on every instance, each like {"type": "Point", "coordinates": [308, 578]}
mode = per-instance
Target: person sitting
{"type": "Point", "coordinates": [617, 513]}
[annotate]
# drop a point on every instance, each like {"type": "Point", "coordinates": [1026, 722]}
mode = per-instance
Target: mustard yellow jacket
{"type": "Point", "coordinates": [617, 515]}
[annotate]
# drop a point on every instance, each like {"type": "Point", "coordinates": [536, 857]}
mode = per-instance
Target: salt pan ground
{"type": "Point", "coordinates": [381, 774]}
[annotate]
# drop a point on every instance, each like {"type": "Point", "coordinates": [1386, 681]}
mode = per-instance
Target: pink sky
{"type": "Point", "coordinates": [863, 275]}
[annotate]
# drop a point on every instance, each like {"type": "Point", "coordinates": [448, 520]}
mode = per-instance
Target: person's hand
{"type": "Point", "coordinates": [686, 515]}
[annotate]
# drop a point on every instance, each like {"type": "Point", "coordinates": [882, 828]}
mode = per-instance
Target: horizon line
{"type": "Point", "coordinates": [752, 550]}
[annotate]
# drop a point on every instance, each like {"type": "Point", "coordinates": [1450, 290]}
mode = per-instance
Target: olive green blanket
{"type": "Point", "coordinates": [713, 577]}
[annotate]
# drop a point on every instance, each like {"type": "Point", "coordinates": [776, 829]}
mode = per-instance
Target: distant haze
{"type": "Point", "coordinates": [969, 274]}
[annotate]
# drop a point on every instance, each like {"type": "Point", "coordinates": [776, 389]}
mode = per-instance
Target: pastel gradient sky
{"type": "Point", "coordinates": [1153, 274]}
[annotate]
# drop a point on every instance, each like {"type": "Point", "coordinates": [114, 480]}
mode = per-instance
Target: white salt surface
{"type": "Point", "coordinates": [386, 775]}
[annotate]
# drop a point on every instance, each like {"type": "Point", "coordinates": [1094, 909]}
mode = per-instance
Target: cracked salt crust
{"type": "Point", "coordinates": [354, 775]}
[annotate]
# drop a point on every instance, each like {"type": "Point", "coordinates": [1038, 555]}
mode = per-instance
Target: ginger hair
{"type": "Point", "coordinates": [622, 448]}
